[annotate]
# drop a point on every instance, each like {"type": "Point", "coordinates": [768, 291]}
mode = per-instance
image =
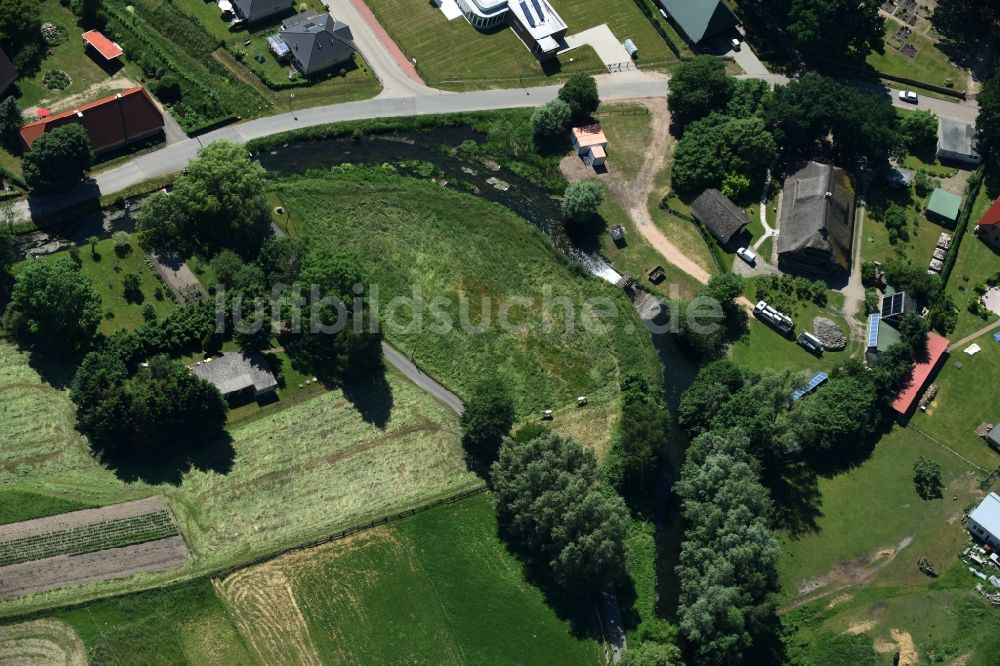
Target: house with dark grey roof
{"type": "Point", "coordinates": [237, 375]}
{"type": "Point", "coordinates": [252, 11]}
{"type": "Point", "coordinates": [957, 142]}
{"type": "Point", "coordinates": [699, 20]}
{"type": "Point", "coordinates": [317, 41]}
{"type": "Point", "coordinates": [721, 217]}
{"type": "Point", "coordinates": [816, 227]}
{"type": "Point", "coordinates": [8, 73]}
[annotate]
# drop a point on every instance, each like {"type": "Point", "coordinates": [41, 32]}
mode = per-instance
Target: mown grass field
{"type": "Point", "coordinates": [488, 60]}
{"type": "Point", "coordinates": [930, 65]}
{"type": "Point", "coordinates": [187, 624]}
{"type": "Point", "coordinates": [414, 237]}
{"type": "Point", "coordinates": [106, 269]}
{"type": "Point", "coordinates": [436, 588]}
{"type": "Point", "coordinates": [976, 261]}
{"type": "Point", "coordinates": [287, 477]}
{"type": "Point", "coordinates": [858, 570]}
{"type": "Point", "coordinates": [16, 505]}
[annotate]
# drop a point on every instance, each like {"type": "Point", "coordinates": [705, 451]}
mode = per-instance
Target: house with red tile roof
{"type": "Point", "coordinates": [922, 371]}
{"type": "Point", "coordinates": [988, 228]}
{"type": "Point", "coordinates": [111, 123]}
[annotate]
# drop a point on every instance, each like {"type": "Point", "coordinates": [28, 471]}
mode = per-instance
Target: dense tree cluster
{"type": "Point", "coordinates": [58, 159]}
{"type": "Point", "coordinates": [988, 121]}
{"type": "Point", "coordinates": [810, 110]}
{"type": "Point", "coordinates": [699, 87]}
{"type": "Point", "coordinates": [487, 419]}
{"type": "Point", "coordinates": [728, 559]}
{"type": "Point", "coordinates": [160, 409]}
{"type": "Point", "coordinates": [10, 123]}
{"type": "Point", "coordinates": [550, 507]}
{"type": "Point", "coordinates": [218, 203]}
{"type": "Point", "coordinates": [635, 456]}
{"type": "Point", "coordinates": [834, 28]}
{"type": "Point", "coordinates": [717, 146]}
{"type": "Point", "coordinates": [21, 33]}
{"type": "Point", "coordinates": [53, 307]}
{"type": "Point", "coordinates": [919, 130]}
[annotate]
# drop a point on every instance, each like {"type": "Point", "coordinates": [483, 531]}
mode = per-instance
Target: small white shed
{"type": "Point", "coordinates": [984, 521]}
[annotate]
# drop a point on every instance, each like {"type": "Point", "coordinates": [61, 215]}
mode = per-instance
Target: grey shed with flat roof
{"type": "Point", "coordinates": [721, 217]}
{"type": "Point", "coordinates": [816, 229]}
{"type": "Point", "coordinates": [317, 41]}
{"type": "Point", "coordinates": [957, 142]}
{"type": "Point", "coordinates": [237, 374]}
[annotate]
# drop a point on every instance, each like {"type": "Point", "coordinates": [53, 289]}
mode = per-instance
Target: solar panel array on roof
{"type": "Point", "coordinates": [873, 322]}
{"type": "Point", "coordinates": [528, 14]}
{"type": "Point", "coordinates": [894, 305]}
{"type": "Point", "coordinates": [815, 382]}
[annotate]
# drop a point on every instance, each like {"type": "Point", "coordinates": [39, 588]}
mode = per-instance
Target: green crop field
{"type": "Point", "coordinates": [187, 624]}
{"type": "Point", "coordinates": [106, 269]}
{"type": "Point", "coordinates": [287, 477]}
{"type": "Point", "coordinates": [436, 588]}
{"type": "Point", "coordinates": [414, 237]}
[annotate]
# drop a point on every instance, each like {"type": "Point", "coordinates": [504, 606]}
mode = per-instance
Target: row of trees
{"type": "Point", "coordinates": [575, 102]}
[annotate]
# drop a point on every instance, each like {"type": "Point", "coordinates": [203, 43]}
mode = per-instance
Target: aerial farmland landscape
{"type": "Point", "coordinates": [649, 333]}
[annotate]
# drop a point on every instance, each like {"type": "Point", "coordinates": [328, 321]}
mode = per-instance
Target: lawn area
{"type": "Point", "coordinates": [627, 128]}
{"type": "Point", "coordinates": [851, 516]}
{"type": "Point", "coordinates": [187, 624]}
{"type": "Point", "coordinates": [106, 269]}
{"type": "Point", "coordinates": [764, 348]}
{"type": "Point", "coordinates": [923, 233]}
{"type": "Point", "coordinates": [953, 416]}
{"type": "Point", "coordinates": [488, 60]}
{"type": "Point", "coordinates": [287, 477]}
{"type": "Point", "coordinates": [435, 588]}
{"type": "Point", "coordinates": [860, 562]}
{"type": "Point", "coordinates": [479, 260]}
{"type": "Point", "coordinates": [625, 20]}
{"type": "Point", "coordinates": [682, 232]}
{"type": "Point", "coordinates": [930, 65]}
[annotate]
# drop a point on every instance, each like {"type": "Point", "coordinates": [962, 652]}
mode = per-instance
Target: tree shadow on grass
{"type": "Point", "coordinates": [57, 370]}
{"type": "Point", "coordinates": [372, 397]}
{"type": "Point", "coordinates": [168, 467]}
{"type": "Point", "coordinates": [795, 491]}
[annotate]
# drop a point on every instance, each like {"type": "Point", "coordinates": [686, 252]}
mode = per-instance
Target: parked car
{"type": "Point", "coordinates": [735, 43]}
{"type": "Point", "coordinates": [908, 96]}
{"type": "Point", "coordinates": [747, 255]}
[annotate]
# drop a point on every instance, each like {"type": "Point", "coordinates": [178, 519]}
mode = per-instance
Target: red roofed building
{"type": "Point", "coordinates": [104, 46]}
{"type": "Point", "coordinates": [988, 228]}
{"type": "Point", "coordinates": [112, 122]}
{"type": "Point", "coordinates": [922, 371]}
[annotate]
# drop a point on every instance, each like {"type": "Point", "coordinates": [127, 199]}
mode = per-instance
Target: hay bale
{"type": "Point", "coordinates": [829, 334]}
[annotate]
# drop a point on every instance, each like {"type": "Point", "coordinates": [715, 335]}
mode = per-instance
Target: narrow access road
{"type": "Point", "coordinates": [969, 338]}
{"type": "Point", "coordinates": [400, 361]}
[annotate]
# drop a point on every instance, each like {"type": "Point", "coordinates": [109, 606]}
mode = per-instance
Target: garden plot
{"type": "Point", "coordinates": [92, 544]}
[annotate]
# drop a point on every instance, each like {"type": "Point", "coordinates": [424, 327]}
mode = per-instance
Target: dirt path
{"type": "Point", "coordinates": [848, 573]}
{"type": "Point", "coordinates": [633, 194]}
{"type": "Point", "coordinates": [969, 338]}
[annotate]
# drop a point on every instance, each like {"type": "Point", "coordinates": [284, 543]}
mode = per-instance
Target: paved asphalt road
{"type": "Point", "coordinates": [408, 368]}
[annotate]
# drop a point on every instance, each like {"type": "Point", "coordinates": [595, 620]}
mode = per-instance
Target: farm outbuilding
{"type": "Point", "coordinates": [237, 375]}
{"type": "Point", "coordinates": [984, 521]}
{"type": "Point", "coordinates": [590, 144]}
{"type": "Point", "coordinates": [721, 217]}
{"type": "Point", "coordinates": [943, 207]}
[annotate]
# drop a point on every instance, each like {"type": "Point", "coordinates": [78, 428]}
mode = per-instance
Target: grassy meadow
{"type": "Point", "coordinates": [438, 587]}
{"type": "Point", "coordinates": [418, 238]}
{"type": "Point", "coordinates": [286, 477]}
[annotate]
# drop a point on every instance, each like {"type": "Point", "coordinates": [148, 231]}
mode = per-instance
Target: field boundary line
{"type": "Point", "coordinates": [945, 446]}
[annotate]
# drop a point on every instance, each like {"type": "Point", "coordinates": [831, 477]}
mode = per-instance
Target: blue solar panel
{"type": "Point", "coordinates": [809, 388]}
{"type": "Point", "coordinates": [873, 321]}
